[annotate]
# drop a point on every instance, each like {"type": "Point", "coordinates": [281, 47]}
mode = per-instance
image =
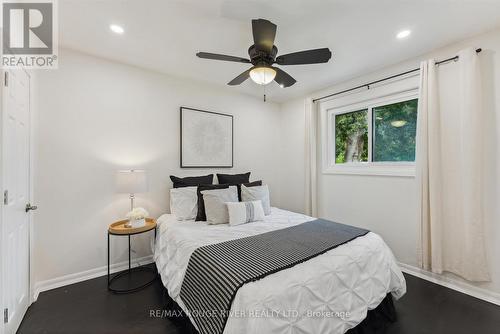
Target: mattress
{"type": "Point", "coordinates": [330, 293]}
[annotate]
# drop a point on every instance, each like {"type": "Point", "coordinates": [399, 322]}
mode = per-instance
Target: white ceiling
{"type": "Point", "coordinates": [165, 35]}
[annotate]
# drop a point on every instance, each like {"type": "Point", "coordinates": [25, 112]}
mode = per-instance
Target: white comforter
{"type": "Point", "coordinates": [330, 293]}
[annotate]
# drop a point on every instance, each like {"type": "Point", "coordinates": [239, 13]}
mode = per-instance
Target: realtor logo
{"type": "Point", "coordinates": [29, 38]}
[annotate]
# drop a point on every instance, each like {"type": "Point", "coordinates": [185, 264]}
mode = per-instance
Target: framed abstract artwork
{"type": "Point", "coordinates": [206, 139]}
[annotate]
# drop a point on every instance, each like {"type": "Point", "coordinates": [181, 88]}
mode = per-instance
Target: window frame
{"type": "Point", "coordinates": [389, 168]}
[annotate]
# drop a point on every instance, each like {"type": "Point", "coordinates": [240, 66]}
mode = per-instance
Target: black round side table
{"type": "Point", "coordinates": [119, 229]}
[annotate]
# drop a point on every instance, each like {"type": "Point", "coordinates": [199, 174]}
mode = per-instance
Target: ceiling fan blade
{"type": "Point", "coordinates": [283, 79]}
{"type": "Point", "coordinates": [264, 33]}
{"type": "Point", "coordinates": [216, 56]}
{"type": "Point", "coordinates": [240, 78]}
{"type": "Point", "coordinates": [315, 56]}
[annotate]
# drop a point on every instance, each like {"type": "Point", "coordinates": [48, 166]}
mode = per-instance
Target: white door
{"type": "Point", "coordinates": [16, 193]}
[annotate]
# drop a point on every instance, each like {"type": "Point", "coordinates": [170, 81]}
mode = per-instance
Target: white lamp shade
{"type": "Point", "coordinates": [131, 181]}
{"type": "Point", "coordinates": [262, 75]}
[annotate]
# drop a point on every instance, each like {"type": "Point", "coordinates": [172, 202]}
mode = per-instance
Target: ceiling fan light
{"type": "Point", "coordinates": [262, 75]}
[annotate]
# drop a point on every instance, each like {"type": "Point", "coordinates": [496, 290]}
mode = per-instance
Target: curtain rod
{"type": "Point", "coordinates": [387, 78]}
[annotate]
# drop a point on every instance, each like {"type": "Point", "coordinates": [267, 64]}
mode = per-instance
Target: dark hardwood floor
{"type": "Point", "coordinates": [88, 307]}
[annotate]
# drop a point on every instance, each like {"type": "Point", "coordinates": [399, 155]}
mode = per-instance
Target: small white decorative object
{"type": "Point", "coordinates": [137, 218]}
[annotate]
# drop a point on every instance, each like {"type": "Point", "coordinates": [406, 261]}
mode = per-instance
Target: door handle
{"type": "Point", "coordinates": [30, 207]}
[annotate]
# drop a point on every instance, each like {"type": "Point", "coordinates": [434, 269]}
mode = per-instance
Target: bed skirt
{"type": "Point", "coordinates": [376, 322]}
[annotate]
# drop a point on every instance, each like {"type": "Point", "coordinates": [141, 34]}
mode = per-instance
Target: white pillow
{"type": "Point", "coordinates": [249, 194]}
{"type": "Point", "coordinates": [184, 203]}
{"type": "Point", "coordinates": [215, 204]}
{"type": "Point", "coordinates": [245, 212]}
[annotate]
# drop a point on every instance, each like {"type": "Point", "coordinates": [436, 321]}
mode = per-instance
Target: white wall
{"type": "Point", "coordinates": [292, 155]}
{"type": "Point", "coordinates": [388, 205]}
{"type": "Point", "coordinates": [96, 116]}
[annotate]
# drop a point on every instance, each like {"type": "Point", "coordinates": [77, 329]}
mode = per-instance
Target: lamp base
{"type": "Point", "coordinates": [132, 197]}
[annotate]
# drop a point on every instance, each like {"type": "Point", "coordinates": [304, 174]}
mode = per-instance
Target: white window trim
{"type": "Point", "coordinates": [392, 93]}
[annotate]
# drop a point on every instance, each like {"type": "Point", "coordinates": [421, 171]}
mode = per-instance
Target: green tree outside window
{"type": "Point", "coordinates": [351, 137]}
{"type": "Point", "coordinates": [394, 130]}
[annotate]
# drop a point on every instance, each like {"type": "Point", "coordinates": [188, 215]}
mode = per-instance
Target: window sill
{"type": "Point", "coordinates": [373, 170]}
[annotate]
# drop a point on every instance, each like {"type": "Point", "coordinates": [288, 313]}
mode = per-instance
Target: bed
{"type": "Point", "coordinates": [329, 293]}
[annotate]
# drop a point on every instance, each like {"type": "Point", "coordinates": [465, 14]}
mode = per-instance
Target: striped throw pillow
{"type": "Point", "coordinates": [244, 212]}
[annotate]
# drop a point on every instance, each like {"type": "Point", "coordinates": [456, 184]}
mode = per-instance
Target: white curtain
{"type": "Point", "coordinates": [311, 122]}
{"type": "Point", "coordinates": [449, 168]}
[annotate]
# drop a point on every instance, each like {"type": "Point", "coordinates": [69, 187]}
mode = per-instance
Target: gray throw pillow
{"type": "Point", "coordinates": [257, 193]}
{"type": "Point", "coordinates": [215, 204]}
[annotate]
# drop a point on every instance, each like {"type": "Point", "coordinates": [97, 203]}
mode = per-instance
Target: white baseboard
{"type": "Point", "coordinates": [452, 283]}
{"type": "Point", "coordinates": [86, 275]}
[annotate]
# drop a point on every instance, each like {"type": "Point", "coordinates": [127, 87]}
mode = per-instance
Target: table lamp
{"type": "Point", "coordinates": [131, 182]}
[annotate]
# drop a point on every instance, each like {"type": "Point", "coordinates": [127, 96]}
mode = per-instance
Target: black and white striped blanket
{"type": "Point", "coordinates": [216, 272]}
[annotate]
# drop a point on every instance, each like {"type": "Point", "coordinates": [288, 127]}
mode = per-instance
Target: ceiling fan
{"type": "Point", "coordinates": [263, 55]}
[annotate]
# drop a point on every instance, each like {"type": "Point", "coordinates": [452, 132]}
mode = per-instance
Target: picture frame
{"type": "Point", "coordinates": [206, 139]}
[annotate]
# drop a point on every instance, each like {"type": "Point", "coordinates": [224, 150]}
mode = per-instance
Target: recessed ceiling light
{"type": "Point", "coordinates": [403, 34]}
{"type": "Point", "coordinates": [116, 28]}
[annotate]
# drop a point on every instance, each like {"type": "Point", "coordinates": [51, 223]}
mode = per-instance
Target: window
{"type": "Point", "coordinates": [394, 130]}
{"type": "Point", "coordinates": [373, 137]}
{"type": "Point", "coordinates": [351, 136]}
